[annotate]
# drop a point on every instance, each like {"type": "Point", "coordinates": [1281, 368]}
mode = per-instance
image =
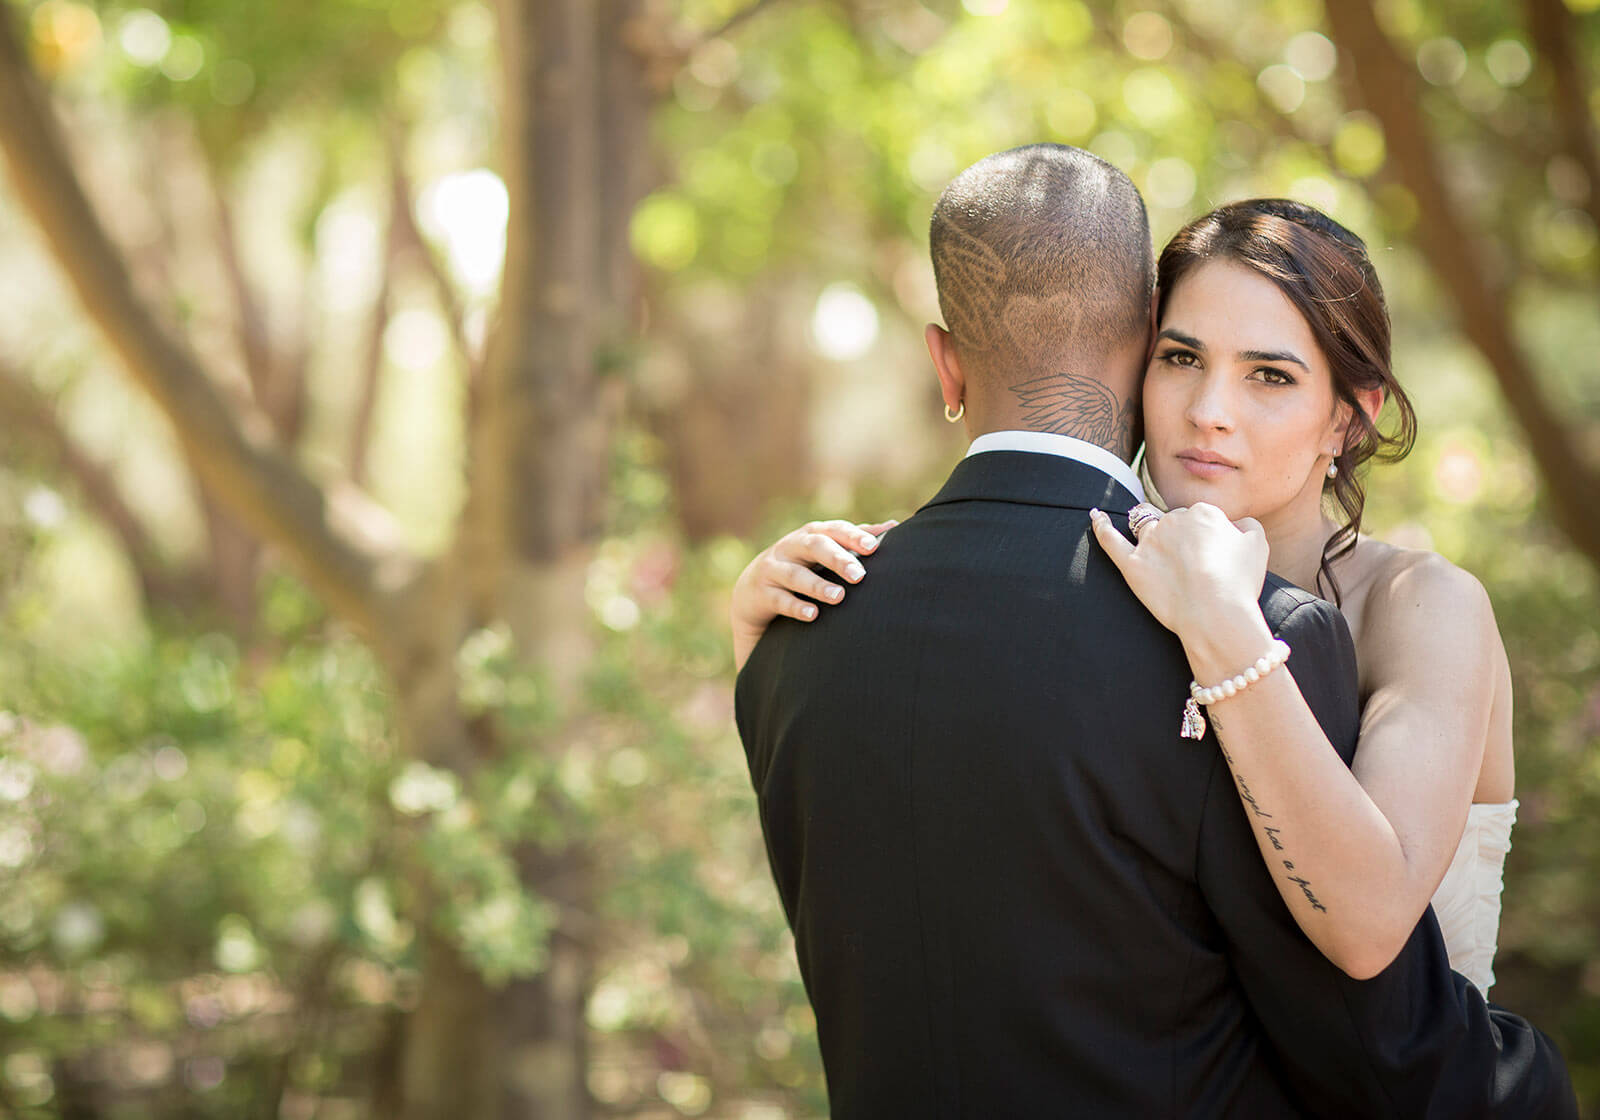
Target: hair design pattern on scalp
{"type": "Point", "coordinates": [1041, 255]}
{"type": "Point", "coordinates": [977, 270]}
{"type": "Point", "coordinates": [1071, 404]}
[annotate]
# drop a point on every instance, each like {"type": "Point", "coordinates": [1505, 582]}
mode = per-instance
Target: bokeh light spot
{"type": "Point", "coordinates": [468, 211]}
{"type": "Point", "coordinates": [1312, 55]}
{"type": "Point", "coordinates": [1442, 61]}
{"type": "Point", "coordinates": [1170, 182]}
{"type": "Point", "coordinates": [1147, 35]}
{"type": "Point", "coordinates": [665, 232]}
{"type": "Point", "coordinates": [1283, 87]}
{"type": "Point", "coordinates": [844, 324]}
{"type": "Point", "coordinates": [144, 37]}
{"type": "Point", "coordinates": [1508, 61]}
{"type": "Point", "coordinates": [1151, 96]}
{"type": "Point", "coordinates": [1358, 145]}
{"type": "Point", "coordinates": [1071, 114]}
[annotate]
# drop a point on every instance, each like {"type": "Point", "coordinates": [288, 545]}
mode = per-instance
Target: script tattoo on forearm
{"type": "Point", "coordinates": [1272, 834]}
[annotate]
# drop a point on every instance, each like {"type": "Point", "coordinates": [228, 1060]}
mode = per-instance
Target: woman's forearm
{"type": "Point", "coordinates": [1336, 859]}
{"type": "Point", "coordinates": [1357, 861]}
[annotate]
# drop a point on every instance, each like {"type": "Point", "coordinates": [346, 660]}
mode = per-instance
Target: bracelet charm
{"type": "Point", "coordinates": [1194, 724]}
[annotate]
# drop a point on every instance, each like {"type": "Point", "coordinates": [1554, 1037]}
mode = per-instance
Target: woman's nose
{"type": "Point", "coordinates": [1209, 405]}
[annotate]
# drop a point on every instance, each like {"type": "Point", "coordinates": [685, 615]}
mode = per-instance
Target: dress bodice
{"type": "Point", "coordinates": [1467, 902]}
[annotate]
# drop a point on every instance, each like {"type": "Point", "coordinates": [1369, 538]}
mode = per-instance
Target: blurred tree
{"type": "Point", "coordinates": [573, 103]}
{"type": "Point", "coordinates": [1388, 87]}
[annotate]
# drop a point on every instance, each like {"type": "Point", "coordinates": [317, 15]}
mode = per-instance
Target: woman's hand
{"type": "Point", "coordinates": [772, 583]}
{"type": "Point", "coordinates": [1200, 575]}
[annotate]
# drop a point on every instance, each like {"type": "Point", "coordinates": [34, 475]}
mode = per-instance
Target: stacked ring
{"type": "Point", "coordinates": [1141, 517]}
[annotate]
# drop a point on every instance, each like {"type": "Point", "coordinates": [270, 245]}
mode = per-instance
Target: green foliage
{"type": "Point", "coordinates": [234, 68]}
{"type": "Point", "coordinates": [188, 845]}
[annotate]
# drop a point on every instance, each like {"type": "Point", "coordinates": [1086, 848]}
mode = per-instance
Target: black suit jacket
{"type": "Point", "coordinates": [1017, 892]}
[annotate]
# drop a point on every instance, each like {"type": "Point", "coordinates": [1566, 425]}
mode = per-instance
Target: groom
{"type": "Point", "coordinates": [1015, 890]}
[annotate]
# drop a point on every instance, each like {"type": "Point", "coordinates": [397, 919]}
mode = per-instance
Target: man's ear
{"type": "Point", "coordinates": [952, 381]}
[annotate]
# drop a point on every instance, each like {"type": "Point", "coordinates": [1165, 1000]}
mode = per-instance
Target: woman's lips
{"type": "Point", "coordinates": [1205, 464]}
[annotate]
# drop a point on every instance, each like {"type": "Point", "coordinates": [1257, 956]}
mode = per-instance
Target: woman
{"type": "Point", "coordinates": [1270, 366]}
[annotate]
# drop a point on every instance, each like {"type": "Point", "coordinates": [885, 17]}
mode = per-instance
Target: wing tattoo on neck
{"type": "Point", "coordinates": [1071, 404]}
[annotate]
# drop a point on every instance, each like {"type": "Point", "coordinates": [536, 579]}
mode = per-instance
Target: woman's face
{"type": "Point", "coordinates": [1238, 399]}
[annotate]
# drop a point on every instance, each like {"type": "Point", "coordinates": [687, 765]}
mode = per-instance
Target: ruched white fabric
{"type": "Point", "coordinates": [1467, 902]}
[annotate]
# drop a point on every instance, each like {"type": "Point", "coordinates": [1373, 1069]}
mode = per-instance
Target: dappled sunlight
{"type": "Point", "coordinates": [844, 324]}
{"type": "Point", "coordinates": [466, 212]}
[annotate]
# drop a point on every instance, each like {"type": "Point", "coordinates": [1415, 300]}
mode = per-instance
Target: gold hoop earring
{"type": "Point", "coordinates": [954, 417]}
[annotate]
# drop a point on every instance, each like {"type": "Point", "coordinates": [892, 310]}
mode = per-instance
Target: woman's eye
{"type": "Point", "coordinates": [1181, 357]}
{"type": "Point", "coordinates": [1275, 376]}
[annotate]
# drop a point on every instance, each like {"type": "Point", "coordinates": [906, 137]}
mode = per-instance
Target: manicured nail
{"type": "Point", "coordinates": [867, 543]}
{"type": "Point", "coordinates": [808, 612]}
{"type": "Point", "coordinates": [1096, 516]}
{"type": "Point", "coordinates": [834, 593]}
{"type": "Point", "coordinates": [853, 572]}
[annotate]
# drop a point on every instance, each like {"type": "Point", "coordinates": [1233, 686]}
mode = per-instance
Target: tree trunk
{"type": "Point", "coordinates": [1387, 87]}
{"type": "Point", "coordinates": [540, 1029]}
{"type": "Point", "coordinates": [720, 396]}
{"type": "Point", "coordinates": [573, 126]}
{"type": "Point", "coordinates": [574, 110]}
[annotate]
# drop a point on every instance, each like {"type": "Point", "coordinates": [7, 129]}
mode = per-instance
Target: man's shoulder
{"type": "Point", "coordinates": [1281, 599]}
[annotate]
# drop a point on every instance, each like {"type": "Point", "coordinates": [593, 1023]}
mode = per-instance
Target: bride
{"type": "Point", "coordinates": [1269, 368]}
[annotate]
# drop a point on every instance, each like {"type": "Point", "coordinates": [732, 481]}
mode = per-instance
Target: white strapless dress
{"type": "Point", "coordinates": [1467, 902]}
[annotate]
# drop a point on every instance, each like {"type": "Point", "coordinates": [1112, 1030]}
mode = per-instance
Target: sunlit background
{"type": "Point", "coordinates": [211, 820]}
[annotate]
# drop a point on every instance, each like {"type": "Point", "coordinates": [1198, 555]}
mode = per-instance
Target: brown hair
{"type": "Point", "coordinates": [1325, 271]}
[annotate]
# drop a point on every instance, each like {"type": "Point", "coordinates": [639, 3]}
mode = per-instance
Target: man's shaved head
{"type": "Point", "coordinates": [1043, 264]}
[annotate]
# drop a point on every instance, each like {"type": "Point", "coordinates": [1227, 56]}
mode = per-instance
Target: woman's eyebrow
{"type": "Point", "coordinates": [1272, 356]}
{"type": "Point", "coordinates": [1185, 339]}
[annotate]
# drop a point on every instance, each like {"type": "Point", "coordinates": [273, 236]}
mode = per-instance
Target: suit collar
{"type": "Point", "coordinates": [1029, 478]}
{"type": "Point", "coordinates": [1053, 443]}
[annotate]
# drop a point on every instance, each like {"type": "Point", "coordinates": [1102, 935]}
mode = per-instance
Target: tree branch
{"type": "Point", "coordinates": [662, 50]}
{"type": "Point", "coordinates": [732, 22]}
{"type": "Point", "coordinates": [240, 463]}
{"type": "Point", "coordinates": [1553, 30]}
{"type": "Point", "coordinates": [372, 369]}
{"type": "Point", "coordinates": [28, 410]}
{"type": "Point", "coordinates": [277, 379]}
{"type": "Point", "coordinates": [409, 239]}
{"type": "Point", "coordinates": [250, 327]}
{"type": "Point", "coordinates": [1388, 87]}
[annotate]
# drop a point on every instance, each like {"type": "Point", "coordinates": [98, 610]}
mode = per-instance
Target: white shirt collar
{"type": "Point", "coordinates": [1068, 447]}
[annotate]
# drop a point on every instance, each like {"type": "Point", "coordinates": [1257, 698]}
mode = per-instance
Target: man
{"type": "Point", "coordinates": [1015, 890]}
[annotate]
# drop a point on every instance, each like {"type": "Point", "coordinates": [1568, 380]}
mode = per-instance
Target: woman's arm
{"type": "Point", "coordinates": [1355, 854]}
{"type": "Point", "coordinates": [772, 583]}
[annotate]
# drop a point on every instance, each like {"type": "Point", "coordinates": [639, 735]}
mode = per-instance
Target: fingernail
{"type": "Point", "coordinates": [834, 593]}
{"type": "Point", "coordinates": [854, 572]}
{"type": "Point", "coordinates": [1096, 516]}
{"type": "Point", "coordinates": [867, 543]}
{"type": "Point", "coordinates": [808, 612]}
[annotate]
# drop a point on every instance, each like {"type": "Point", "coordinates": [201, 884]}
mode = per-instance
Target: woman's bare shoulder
{"type": "Point", "coordinates": [1412, 597]}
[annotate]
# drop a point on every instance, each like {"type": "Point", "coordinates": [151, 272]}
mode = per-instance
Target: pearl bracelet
{"type": "Point", "coordinates": [1194, 724]}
